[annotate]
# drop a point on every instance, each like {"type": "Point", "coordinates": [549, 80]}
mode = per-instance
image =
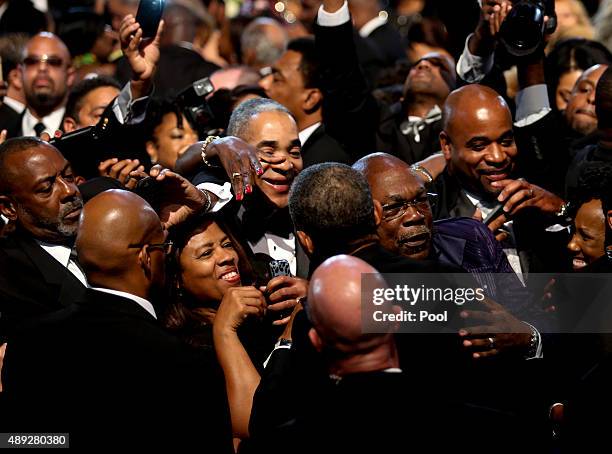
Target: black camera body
{"type": "Point", "coordinates": [522, 32]}
{"type": "Point", "coordinates": [193, 104]}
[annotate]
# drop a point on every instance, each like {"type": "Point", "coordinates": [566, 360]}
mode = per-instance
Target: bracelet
{"type": "Point", "coordinates": [208, 200]}
{"type": "Point", "coordinates": [205, 145]}
{"type": "Point", "coordinates": [423, 171]}
{"type": "Point", "coordinates": [533, 344]}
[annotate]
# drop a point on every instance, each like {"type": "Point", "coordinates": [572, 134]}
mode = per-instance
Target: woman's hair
{"type": "Point", "coordinates": [184, 316]}
{"type": "Point", "coordinates": [572, 54]}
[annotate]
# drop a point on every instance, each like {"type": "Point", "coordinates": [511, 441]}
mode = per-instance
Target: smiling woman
{"type": "Point", "coordinates": [207, 262]}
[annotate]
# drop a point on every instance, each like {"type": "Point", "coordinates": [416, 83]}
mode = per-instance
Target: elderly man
{"type": "Point", "coordinates": [105, 360]}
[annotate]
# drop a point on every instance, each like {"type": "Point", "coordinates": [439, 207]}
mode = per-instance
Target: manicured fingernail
{"type": "Point", "coordinates": [467, 343]}
{"type": "Point", "coordinates": [58, 134]}
{"type": "Point", "coordinates": [259, 171]}
{"type": "Point", "coordinates": [248, 189]}
{"type": "Point", "coordinates": [462, 332]}
{"type": "Point", "coordinates": [239, 197]}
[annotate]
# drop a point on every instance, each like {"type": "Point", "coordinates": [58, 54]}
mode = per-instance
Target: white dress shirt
{"type": "Point", "coordinates": [340, 17]}
{"type": "Point", "coordinates": [372, 25]}
{"type": "Point", "coordinates": [305, 133]}
{"type": "Point", "coordinates": [146, 305]}
{"type": "Point", "coordinates": [62, 255]}
{"type": "Point", "coordinates": [52, 122]}
{"type": "Point", "coordinates": [14, 104]}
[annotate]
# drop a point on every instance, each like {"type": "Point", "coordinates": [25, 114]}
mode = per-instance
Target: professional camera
{"type": "Point", "coordinates": [523, 30]}
{"type": "Point", "coordinates": [192, 101]}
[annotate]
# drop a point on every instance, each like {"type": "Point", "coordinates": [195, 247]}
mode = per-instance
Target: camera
{"type": "Point", "coordinates": [193, 104]}
{"type": "Point", "coordinates": [522, 32]}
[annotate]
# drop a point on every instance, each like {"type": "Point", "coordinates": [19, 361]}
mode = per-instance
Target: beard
{"type": "Point", "coordinates": [45, 101]}
{"type": "Point", "coordinates": [58, 225]}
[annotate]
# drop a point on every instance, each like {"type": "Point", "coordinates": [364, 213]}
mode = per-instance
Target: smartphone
{"type": "Point", "coordinates": [279, 268]}
{"type": "Point", "coordinates": [149, 15]}
{"type": "Point", "coordinates": [494, 214]}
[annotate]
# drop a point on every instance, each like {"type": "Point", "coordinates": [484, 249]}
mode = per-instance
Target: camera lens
{"type": "Point", "coordinates": [522, 31]}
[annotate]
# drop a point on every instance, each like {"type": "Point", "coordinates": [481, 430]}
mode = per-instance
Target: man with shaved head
{"type": "Point", "coordinates": [106, 361]}
{"type": "Point", "coordinates": [481, 155]}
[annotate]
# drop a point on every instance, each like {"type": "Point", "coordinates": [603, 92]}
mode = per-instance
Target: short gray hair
{"type": "Point", "coordinates": [255, 37]}
{"type": "Point", "coordinates": [243, 114]}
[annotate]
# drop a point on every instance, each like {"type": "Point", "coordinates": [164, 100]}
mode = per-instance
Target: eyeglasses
{"type": "Point", "coordinates": [165, 247]}
{"type": "Point", "coordinates": [422, 204]}
{"type": "Point", "coordinates": [51, 60]}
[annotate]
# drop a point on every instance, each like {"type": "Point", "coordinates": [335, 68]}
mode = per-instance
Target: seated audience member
{"type": "Point", "coordinates": [138, 371]}
{"type": "Point", "coordinates": [566, 63]}
{"type": "Point", "coordinates": [481, 172]}
{"type": "Point", "coordinates": [168, 134]}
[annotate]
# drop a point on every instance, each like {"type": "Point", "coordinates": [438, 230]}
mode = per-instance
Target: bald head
{"type": "Point", "coordinates": [477, 138]}
{"type": "Point", "coordinates": [334, 305]}
{"type": "Point", "coordinates": [114, 227]}
{"type": "Point", "coordinates": [263, 41]}
{"type": "Point", "coordinates": [47, 73]}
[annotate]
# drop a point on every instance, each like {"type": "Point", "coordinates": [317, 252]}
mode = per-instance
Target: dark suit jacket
{"type": "Point", "coordinates": [32, 283]}
{"type": "Point", "coordinates": [10, 120]}
{"type": "Point", "coordinates": [105, 363]}
{"type": "Point", "coordinates": [178, 67]}
{"type": "Point", "coordinates": [538, 250]}
{"type": "Point", "coordinates": [389, 43]}
{"type": "Point", "coordinates": [321, 147]}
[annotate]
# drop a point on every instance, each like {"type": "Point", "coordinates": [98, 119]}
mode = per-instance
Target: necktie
{"type": "Point", "coordinates": [39, 128]}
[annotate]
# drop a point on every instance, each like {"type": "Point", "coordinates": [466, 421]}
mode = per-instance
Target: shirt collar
{"type": "Point", "coordinates": [372, 25]}
{"type": "Point", "coordinates": [52, 122]}
{"type": "Point", "coordinates": [13, 103]}
{"type": "Point", "coordinates": [305, 133]}
{"type": "Point", "coordinates": [59, 252]}
{"type": "Point", "coordinates": [146, 305]}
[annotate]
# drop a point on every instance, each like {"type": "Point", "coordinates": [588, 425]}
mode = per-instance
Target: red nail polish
{"type": "Point", "coordinates": [259, 171]}
{"type": "Point", "coordinates": [58, 134]}
{"type": "Point", "coordinates": [248, 189]}
{"type": "Point", "coordinates": [239, 197]}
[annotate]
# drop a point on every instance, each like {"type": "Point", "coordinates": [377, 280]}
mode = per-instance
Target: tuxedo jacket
{"type": "Point", "coordinates": [32, 282]}
{"type": "Point", "coordinates": [104, 363]}
{"type": "Point", "coordinates": [321, 147]}
{"type": "Point", "coordinates": [10, 120]}
{"type": "Point", "coordinates": [389, 43]}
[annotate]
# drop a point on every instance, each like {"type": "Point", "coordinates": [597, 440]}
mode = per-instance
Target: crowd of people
{"type": "Point", "coordinates": [186, 220]}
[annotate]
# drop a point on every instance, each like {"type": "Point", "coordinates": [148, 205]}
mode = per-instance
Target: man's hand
{"type": "Point", "coordinates": [237, 304]}
{"type": "Point", "coordinates": [492, 14]}
{"type": "Point", "coordinates": [495, 225]}
{"type": "Point", "coordinates": [121, 171]}
{"type": "Point", "coordinates": [179, 199]}
{"type": "Point", "coordinates": [283, 293]}
{"type": "Point", "coordinates": [519, 194]}
{"type": "Point", "coordinates": [142, 55]}
{"type": "Point", "coordinates": [499, 332]}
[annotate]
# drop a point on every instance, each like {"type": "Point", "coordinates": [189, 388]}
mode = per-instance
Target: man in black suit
{"type": "Point", "coordinates": [105, 360]}
{"type": "Point", "coordinates": [481, 154]}
{"type": "Point", "coordinates": [39, 195]}
{"type": "Point", "coordinates": [295, 82]}
{"type": "Point", "coordinates": [13, 103]}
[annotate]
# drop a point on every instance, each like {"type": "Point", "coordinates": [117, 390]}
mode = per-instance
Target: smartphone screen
{"type": "Point", "coordinates": [148, 16]}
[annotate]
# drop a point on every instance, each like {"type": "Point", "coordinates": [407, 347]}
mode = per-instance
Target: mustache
{"type": "Point", "coordinates": [415, 231]}
{"type": "Point", "coordinates": [70, 207]}
{"type": "Point", "coordinates": [590, 112]}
